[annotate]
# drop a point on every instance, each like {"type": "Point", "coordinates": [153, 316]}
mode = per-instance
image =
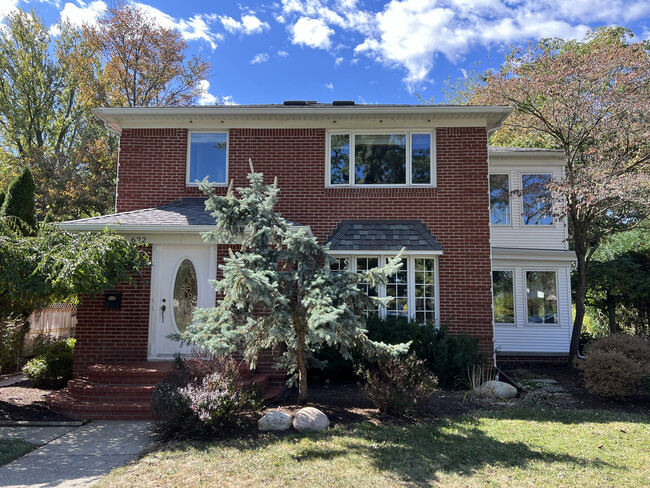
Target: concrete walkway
{"type": "Point", "coordinates": [73, 456]}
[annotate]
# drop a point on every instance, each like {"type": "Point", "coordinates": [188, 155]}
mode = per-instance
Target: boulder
{"type": "Point", "coordinates": [310, 419]}
{"type": "Point", "coordinates": [274, 420]}
{"type": "Point", "coordinates": [498, 389]}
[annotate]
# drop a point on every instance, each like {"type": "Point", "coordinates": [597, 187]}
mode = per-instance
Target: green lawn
{"type": "Point", "coordinates": [514, 447]}
{"type": "Point", "coordinates": [13, 449]}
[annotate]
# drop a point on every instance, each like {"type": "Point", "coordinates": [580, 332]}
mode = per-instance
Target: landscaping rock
{"type": "Point", "coordinates": [275, 420]}
{"type": "Point", "coordinates": [310, 419]}
{"type": "Point", "coordinates": [544, 381]}
{"type": "Point", "coordinates": [498, 389]}
{"type": "Point", "coordinates": [553, 389]}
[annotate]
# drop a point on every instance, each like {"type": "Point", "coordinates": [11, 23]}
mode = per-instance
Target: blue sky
{"type": "Point", "coordinates": [362, 50]}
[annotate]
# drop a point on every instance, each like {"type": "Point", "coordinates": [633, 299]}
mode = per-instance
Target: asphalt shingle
{"type": "Point", "coordinates": [382, 235]}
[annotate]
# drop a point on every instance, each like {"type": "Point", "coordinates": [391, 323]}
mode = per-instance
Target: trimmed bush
{"type": "Point", "coordinates": [616, 366]}
{"type": "Point", "coordinates": [202, 396]}
{"type": "Point", "coordinates": [53, 369]}
{"type": "Point", "coordinates": [397, 385]}
{"type": "Point", "coordinates": [12, 338]}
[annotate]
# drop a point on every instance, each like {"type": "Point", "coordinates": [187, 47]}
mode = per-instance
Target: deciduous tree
{"type": "Point", "coordinates": [590, 99]}
{"type": "Point", "coordinates": [278, 290]}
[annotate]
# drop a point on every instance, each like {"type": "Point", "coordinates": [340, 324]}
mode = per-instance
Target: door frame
{"type": "Point", "coordinates": [157, 284]}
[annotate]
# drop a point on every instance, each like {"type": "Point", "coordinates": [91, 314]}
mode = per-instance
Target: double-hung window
{"type": "Point", "coordinates": [381, 159]}
{"type": "Point", "coordinates": [541, 291]}
{"type": "Point", "coordinates": [503, 297]}
{"type": "Point", "coordinates": [207, 155]}
{"type": "Point", "coordinates": [500, 199]}
{"type": "Point", "coordinates": [536, 196]}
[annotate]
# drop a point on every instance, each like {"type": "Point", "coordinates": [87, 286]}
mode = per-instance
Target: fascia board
{"type": "Point", "coordinates": [358, 252]}
{"type": "Point", "coordinates": [153, 229]}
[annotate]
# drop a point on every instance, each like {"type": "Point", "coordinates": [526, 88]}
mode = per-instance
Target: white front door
{"type": "Point", "coordinates": [179, 284]}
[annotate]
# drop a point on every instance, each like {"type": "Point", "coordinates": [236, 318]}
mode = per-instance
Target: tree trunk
{"type": "Point", "coordinates": [611, 313]}
{"type": "Point", "coordinates": [581, 289]}
{"type": "Point", "coordinates": [300, 359]}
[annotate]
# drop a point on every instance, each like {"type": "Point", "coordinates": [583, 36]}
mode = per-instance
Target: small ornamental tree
{"type": "Point", "coordinates": [19, 200]}
{"type": "Point", "coordinates": [278, 290]}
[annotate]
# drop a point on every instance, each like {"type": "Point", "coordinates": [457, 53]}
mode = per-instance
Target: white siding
{"type": "Point", "coordinates": [518, 235]}
{"type": "Point", "coordinates": [535, 338]}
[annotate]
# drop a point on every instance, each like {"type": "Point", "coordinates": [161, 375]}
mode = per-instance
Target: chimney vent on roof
{"type": "Point", "coordinates": [300, 102]}
{"type": "Point", "coordinates": [342, 102]}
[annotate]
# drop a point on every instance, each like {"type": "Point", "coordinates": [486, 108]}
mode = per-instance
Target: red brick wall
{"type": "Point", "coordinates": [152, 172]}
{"type": "Point", "coordinates": [114, 336]}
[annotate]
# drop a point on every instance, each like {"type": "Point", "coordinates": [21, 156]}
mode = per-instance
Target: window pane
{"type": "Point", "coordinates": [364, 264]}
{"type": "Point", "coordinates": [397, 290]}
{"type": "Point", "coordinates": [341, 264]}
{"type": "Point", "coordinates": [421, 158]}
{"type": "Point", "coordinates": [499, 199]}
{"type": "Point", "coordinates": [537, 199]}
{"type": "Point", "coordinates": [208, 157]}
{"type": "Point", "coordinates": [504, 309]}
{"type": "Point", "coordinates": [380, 159]}
{"type": "Point", "coordinates": [185, 295]}
{"type": "Point", "coordinates": [425, 300]}
{"type": "Point", "coordinates": [340, 159]}
{"type": "Point", "coordinates": [542, 298]}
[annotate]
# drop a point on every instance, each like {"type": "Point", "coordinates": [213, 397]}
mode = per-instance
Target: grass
{"type": "Point", "coordinates": [509, 447]}
{"type": "Point", "coordinates": [13, 449]}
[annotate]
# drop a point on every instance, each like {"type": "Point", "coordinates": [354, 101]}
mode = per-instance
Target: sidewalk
{"type": "Point", "coordinates": [73, 456]}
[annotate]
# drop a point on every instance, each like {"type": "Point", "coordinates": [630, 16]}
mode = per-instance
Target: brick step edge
{"type": "Point", "coordinates": [62, 402]}
{"type": "Point", "coordinates": [84, 389]}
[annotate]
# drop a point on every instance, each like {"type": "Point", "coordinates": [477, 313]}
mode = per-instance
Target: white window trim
{"type": "Point", "coordinates": [410, 264]}
{"type": "Point", "coordinates": [514, 297]}
{"type": "Point", "coordinates": [510, 194]}
{"type": "Point", "coordinates": [409, 153]}
{"type": "Point", "coordinates": [524, 225]}
{"type": "Point", "coordinates": [528, 323]}
{"type": "Point", "coordinates": [187, 157]}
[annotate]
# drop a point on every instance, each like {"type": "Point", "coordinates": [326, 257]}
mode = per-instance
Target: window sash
{"type": "Point", "coordinates": [541, 297]}
{"type": "Point", "coordinates": [346, 166]}
{"type": "Point", "coordinates": [503, 297]}
{"type": "Point", "coordinates": [499, 199]}
{"type": "Point", "coordinates": [536, 199]}
{"type": "Point", "coordinates": [207, 155]}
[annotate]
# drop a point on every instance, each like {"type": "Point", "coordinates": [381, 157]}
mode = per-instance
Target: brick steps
{"type": "Point", "coordinates": [124, 391]}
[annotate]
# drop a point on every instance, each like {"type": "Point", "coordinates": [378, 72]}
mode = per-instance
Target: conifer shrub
{"type": "Point", "coordinates": [19, 199]}
{"type": "Point", "coordinates": [53, 369]}
{"type": "Point", "coordinates": [201, 396]}
{"type": "Point", "coordinates": [397, 385]}
{"type": "Point", "coordinates": [616, 366]}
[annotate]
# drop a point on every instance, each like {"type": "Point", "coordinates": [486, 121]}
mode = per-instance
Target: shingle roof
{"type": "Point", "coordinates": [382, 235]}
{"type": "Point", "coordinates": [185, 212]}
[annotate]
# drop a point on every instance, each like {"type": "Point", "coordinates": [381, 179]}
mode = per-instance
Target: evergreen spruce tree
{"type": "Point", "coordinates": [2, 200]}
{"type": "Point", "coordinates": [20, 200]}
{"type": "Point", "coordinates": [278, 290]}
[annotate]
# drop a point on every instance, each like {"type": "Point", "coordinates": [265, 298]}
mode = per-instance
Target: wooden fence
{"type": "Point", "coordinates": [57, 320]}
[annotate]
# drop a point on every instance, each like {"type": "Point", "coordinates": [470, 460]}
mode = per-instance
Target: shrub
{"type": "Point", "coordinates": [53, 369]}
{"type": "Point", "coordinates": [201, 396]}
{"type": "Point", "coordinates": [12, 338]}
{"type": "Point", "coordinates": [397, 385]}
{"type": "Point", "coordinates": [616, 366]}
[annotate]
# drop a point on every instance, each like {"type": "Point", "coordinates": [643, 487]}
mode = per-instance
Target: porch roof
{"type": "Point", "coordinates": [185, 215]}
{"type": "Point", "coordinates": [383, 235]}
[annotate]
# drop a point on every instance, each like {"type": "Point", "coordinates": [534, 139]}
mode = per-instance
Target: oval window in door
{"type": "Point", "coordinates": [185, 294]}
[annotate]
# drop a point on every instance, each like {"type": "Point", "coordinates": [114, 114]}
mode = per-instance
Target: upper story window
{"type": "Point", "coordinates": [386, 159]}
{"type": "Point", "coordinates": [536, 197]}
{"type": "Point", "coordinates": [207, 156]}
{"type": "Point", "coordinates": [499, 199]}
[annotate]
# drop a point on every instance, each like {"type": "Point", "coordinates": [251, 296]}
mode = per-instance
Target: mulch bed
{"type": "Point", "coordinates": [345, 404]}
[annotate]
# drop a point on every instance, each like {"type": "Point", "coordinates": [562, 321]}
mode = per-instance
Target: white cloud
{"type": "Point", "coordinates": [206, 98]}
{"type": "Point", "coordinates": [329, 86]}
{"type": "Point", "coordinates": [196, 28]}
{"type": "Point", "coordinates": [249, 24]}
{"type": "Point", "coordinates": [312, 32]}
{"type": "Point", "coordinates": [82, 13]}
{"type": "Point", "coordinates": [338, 61]}
{"type": "Point", "coordinates": [283, 54]}
{"type": "Point", "coordinates": [227, 100]}
{"type": "Point", "coordinates": [260, 58]}
{"type": "Point", "coordinates": [7, 7]}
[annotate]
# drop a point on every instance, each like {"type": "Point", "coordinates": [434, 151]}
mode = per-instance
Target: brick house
{"type": "Point", "coordinates": [482, 252]}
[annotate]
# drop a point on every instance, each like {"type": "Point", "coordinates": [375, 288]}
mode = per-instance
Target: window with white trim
{"type": "Point", "coordinates": [499, 199]}
{"type": "Point", "coordinates": [536, 199]}
{"type": "Point", "coordinates": [381, 159]}
{"type": "Point", "coordinates": [503, 296]}
{"type": "Point", "coordinates": [412, 291]}
{"type": "Point", "coordinates": [541, 296]}
{"type": "Point", "coordinates": [207, 155]}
